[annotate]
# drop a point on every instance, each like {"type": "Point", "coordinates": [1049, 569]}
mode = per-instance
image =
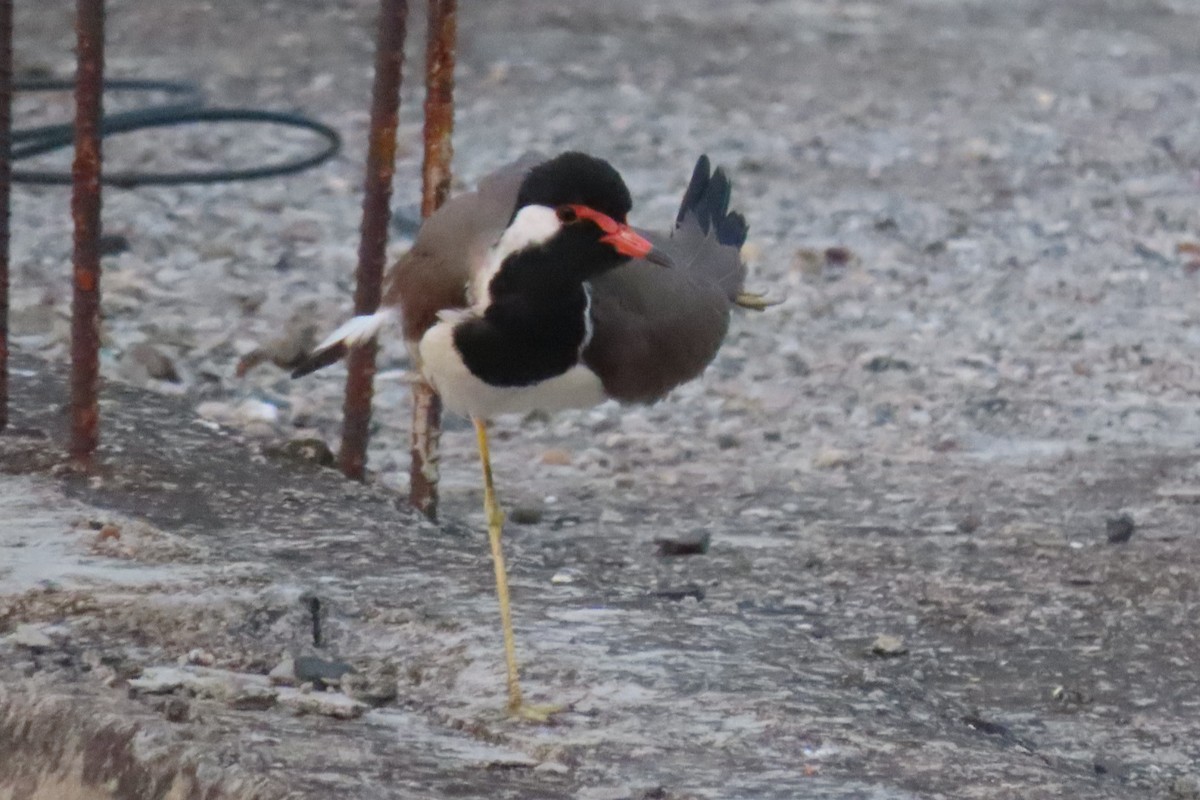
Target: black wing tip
{"type": "Point", "coordinates": [319, 360]}
{"type": "Point", "coordinates": [707, 198]}
{"type": "Point", "coordinates": [695, 191]}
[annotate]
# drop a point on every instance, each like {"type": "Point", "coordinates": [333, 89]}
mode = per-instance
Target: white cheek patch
{"type": "Point", "coordinates": [532, 226]}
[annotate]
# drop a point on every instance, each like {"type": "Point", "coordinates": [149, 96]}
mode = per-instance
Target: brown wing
{"type": "Point", "coordinates": [654, 327]}
{"type": "Point", "coordinates": [451, 244]}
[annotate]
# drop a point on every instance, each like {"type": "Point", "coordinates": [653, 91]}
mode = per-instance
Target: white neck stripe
{"type": "Point", "coordinates": [532, 226]}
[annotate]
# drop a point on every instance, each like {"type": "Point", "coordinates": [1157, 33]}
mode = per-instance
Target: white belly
{"type": "Point", "coordinates": [464, 393]}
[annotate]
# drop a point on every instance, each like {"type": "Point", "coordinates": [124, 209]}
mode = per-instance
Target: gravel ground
{"type": "Point", "coordinates": [982, 220]}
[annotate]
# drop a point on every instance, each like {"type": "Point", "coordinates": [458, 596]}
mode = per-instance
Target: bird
{"type": "Point", "coordinates": [533, 293]}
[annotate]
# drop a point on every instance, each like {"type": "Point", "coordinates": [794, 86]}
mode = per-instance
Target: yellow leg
{"type": "Point", "coordinates": [495, 522]}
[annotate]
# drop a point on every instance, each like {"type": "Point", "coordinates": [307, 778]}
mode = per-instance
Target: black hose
{"type": "Point", "coordinates": [185, 108]}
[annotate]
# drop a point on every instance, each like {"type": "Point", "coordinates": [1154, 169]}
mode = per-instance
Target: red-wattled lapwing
{"type": "Point", "coordinates": [533, 294]}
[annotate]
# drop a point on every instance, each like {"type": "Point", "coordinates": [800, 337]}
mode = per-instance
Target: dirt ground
{"type": "Point", "coordinates": [949, 483]}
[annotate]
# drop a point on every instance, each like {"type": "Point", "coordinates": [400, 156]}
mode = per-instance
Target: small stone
{"type": "Point", "coordinates": [375, 686]}
{"type": "Point", "coordinates": [151, 360]}
{"type": "Point", "coordinates": [176, 709]}
{"type": "Point", "coordinates": [1119, 529]}
{"type": "Point", "coordinates": [329, 704]}
{"type": "Point", "coordinates": [888, 646]}
{"type": "Point", "coordinates": [883, 363]}
{"type": "Point", "coordinates": [1179, 494]}
{"type": "Point", "coordinates": [985, 726]}
{"type": "Point", "coordinates": [556, 458]}
{"type": "Point", "coordinates": [158, 680]}
{"type": "Point", "coordinates": [284, 673]}
{"type": "Point", "coordinates": [689, 544]}
{"type": "Point", "coordinates": [309, 450]}
{"type": "Point", "coordinates": [252, 697]}
{"type": "Point", "coordinates": [33, 319]}
{"type": "Point", "coordinates": [832, 458]}
{"type": "Point", "coordinates": [250, 411]}
{"type": "Point", "coordinates": [839, 256]}
{"type": "Point", "coordinates": [1184, 788]}
{"type": "Point", "coordinates": [727, 441]}
{"type": "Point", "coordinates": [677, 594]}
{"type": "Point", "coordinates": [310, 669]}
{"type": "Point", "coordinates": [552, 768]}
{"type": "Point", "coordinates": [526, 515]}
{"type": "Point", "coordinates": [564, 576]}
{"type": "Point", "coordinates": [610, 516]}
{"type": "Point", "coordinates": [200, 657]}
{"type": "Point", "coordinates": [969, 524]}
{"type": "Point", "coordinates": [31, 637]}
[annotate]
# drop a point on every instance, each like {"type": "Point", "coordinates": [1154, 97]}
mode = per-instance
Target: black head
{"type": "Point", "coordinates": [576, 178]}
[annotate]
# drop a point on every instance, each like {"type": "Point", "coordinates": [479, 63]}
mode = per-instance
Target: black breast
{"type": "Point", "coordinates": [520, 341]}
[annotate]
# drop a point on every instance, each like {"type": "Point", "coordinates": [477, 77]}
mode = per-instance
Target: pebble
{"type": "Point", "coordinates": [1119, 529]}
{"type": "Point", "coordinates": [1184, 788]}
{"type": "Point", "coordinates": [556, 458]}
{"type": "Point", "coordinates": [31, 637]}
{"type": "Point", "coordinates": [689, 544]}
{"type": "Point", "coordinates": [888, 646]}
{"type": "Point", "coordinates": [376, 685]}
{"type": "Point", "coordinates": [158, 680]}
{"type": "Point", "coordinates": [832, 458]}
{"type": "Point", "coordinates": [200, 657]}
{"type": "Point", "coordinates": [283, 673]}
{"type": "Point", "coordinates": [610, 516]}
{"type": "Point", "coordinates": [176, 709]}
{"type": "Point", "coordinates": [969, 524]}
{"type": "Point", "coordinates": [329, 704]}
{"type": "Point", "coordinates": [565, 576]}
{"type": "Point", "coordinates": [883, 363]}
{"type": "Point", "coordinates": [309, 450]}
{"type": "Point", "coordinates": [552, 768]}
{"type": "Point", "coordinates": [526, 515]}
{"type": "Point", "coordinates": [149, 360]}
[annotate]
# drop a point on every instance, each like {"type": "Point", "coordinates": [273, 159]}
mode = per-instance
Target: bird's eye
{"type": "Point", "coordinates": [567, 214]}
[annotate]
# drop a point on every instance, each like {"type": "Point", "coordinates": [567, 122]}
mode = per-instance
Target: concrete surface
{"type": "Point", "coordinates": [983, 221]}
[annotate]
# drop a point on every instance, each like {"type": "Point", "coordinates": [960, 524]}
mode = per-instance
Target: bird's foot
{"type": "Point", "coordinates": [755, 301]}
{"type": "Point", "coordinates": [538, 714]}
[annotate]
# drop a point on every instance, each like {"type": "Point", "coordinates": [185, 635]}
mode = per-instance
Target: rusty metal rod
{"type": "Point", "coordinates": [85, 211]}
{"type": "Point", "coordinates": [372, 248]}
{"type": "Point", "coordinates": [435, 173]}
{"type": "Point", "coordinates": [6, 66]}
{"type": "Point", "coordinates": [439, 104]}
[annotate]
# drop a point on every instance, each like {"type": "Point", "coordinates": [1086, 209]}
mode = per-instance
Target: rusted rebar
{"type": "Point", "coordinates": [6, 62]}
{"type": "Point", "coordinates": [439, 103]}
{"type": "Point", "coordinates": [439, 125]}
{"type": "Point", "coordinates": [85, 211]}
{"type": "Point", "coordinates": [372, 249]}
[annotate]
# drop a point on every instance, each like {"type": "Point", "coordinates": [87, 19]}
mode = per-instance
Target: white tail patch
{"type": "Point", "coordinates": [357, 330]}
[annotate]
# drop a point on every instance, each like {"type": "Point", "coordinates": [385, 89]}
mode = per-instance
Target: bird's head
{"type": "Point", "coordinates": [573, 207]}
